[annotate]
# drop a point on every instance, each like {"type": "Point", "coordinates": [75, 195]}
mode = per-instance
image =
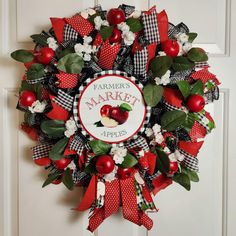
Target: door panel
{"type": "Point", "coordinates": [208, 210]}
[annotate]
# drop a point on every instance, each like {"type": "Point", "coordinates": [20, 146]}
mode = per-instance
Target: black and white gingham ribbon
{"type": "Point", "coordinates": [179, 76]}
{"type": "Point", "coordinates": [191, 163]}
{"type": "Point", "coordinates": [78, 145]}
{"type": "Point", "coordinates": [140, 62]}
{"type": "Point", "coordinates": [41, 151]}
{"type": "Point", "coordinates": [139, 142]}
{"type": "Point", "coordinates": [127, 9]}
{"type": "Point", "coordinates": [151, 31]}
{"type": "Point", "coordinates": [169, 107]}
{"type": "Point", "coordinates": [80, 176]}
{"type": "Point", "coordinates": [35, 81]}
{"type": "Point", "coordinates": [89, 80]}
{"type": "Point", "coordinates": [201, 64]}
{"type": "Point", "coordinates": [173, 30]}
{"type": "Point", "coordinates": [64, 100]}
{"type": "Point", "coordinates": [70, 34]}
{"type": "Point", "coordinates": [212, 95]}
{"type": "Point", "coordinates": [202, 117]}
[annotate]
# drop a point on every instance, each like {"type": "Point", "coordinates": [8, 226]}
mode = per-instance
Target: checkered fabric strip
{"type": "Point", "coordinates": [89, 80]}
{"type": "Point", "coordinates": [179, 76]}
{"type": "Point", "coordinates": [140, 62]}
{"type": "Point", "coordinates": [41, 151]}
{"type": "Point", "coordinates": [191, 163]}
{"type": "Point", "coordinates": [201, 118]}
{"type": "Point", "coordinates": [94, 66]}
{"type": "Point", "coordinates": [169, 107]}
{"type": "Point", "coordinates": [64, 100]}
{"type": "Point", "coordinates": [150, 25]}
{"type": "Point", "coordinates": [127, 9]}
{"type": "Point", "coordinates": [201, 65]}
{"type": "Point", "coordinates": [139, 142]}
{"type": "Point", "coordinates": [172, 30]}
{"type": "Point", "coordinates": [80, 176]}
{"type": "Point", "coordinates": [183, 28]}
{"type": "Point", "coordinates": [212, 95]}
{"type": "Point", "coordinates": [35, 81]}
{"type": "Point", "coordinates": [70, 34]}
{"type": "Point", "coordinates": [141, 201]}
{"type": "Point", "coordinates": [78, 145]}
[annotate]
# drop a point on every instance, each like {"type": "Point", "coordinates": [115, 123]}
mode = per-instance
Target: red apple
{"type": "Point", "coordinates": [27, 98]}
{"type": "Point", "coordinates": [105, 110]}
{"type": "Point", "coordinates": [117, 114]}
{"type": "Point", "coordinates": [115, 16]}
{"type": "Point", "coordinates": [171, 47]}
{"type": "Point", "coordinates": [124, 173]}
{"type": "Point", "coordinates": [196, 103]}
{"type": "Point", "coordinates": [62, 163]}
{"type": "Point", "coordinates": [45, 161]}
{"type": "Point", "coordinates": [105, 164]}
{"type": "Point", "coordinates": [45, 55]}
{"type": "Point", "coordinates": [115, 36]}
{"type": "Point", "coordinates": [56, 181]}
{"type": "Point", "coordinates": [173, 167]}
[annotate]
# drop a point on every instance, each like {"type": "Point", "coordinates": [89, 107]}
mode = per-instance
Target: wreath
{"type": "Point", "coordinates": [115, 101]}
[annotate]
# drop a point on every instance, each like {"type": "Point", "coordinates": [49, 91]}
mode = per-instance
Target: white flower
{"type": "Point", "coordinates": [186, 47]}
{"type": "Point", "coordinates": [128, 37]}
{"type": "Point", "coordinates": [38, 107]}
{"type": "Point", "coordinates": [165, 79]}
{"type": "Point", "coordinates": [52, 43]}
{"type": "Point", "coordinates": [159, 138]}
{"type": "Point", "coordinates": [136, 14]}
{"type": "Point", "coordinates": [87, 39]}
{"type": "Point", "coordinates": [149, 132]}
{"type": "Point", "coordinates": [172, 157]}
{"type": "Point", "coordinates": [118, 154]}
{"type": "Point", "coordinates": [87, 57]}
{"type": "Point", "coordinates": [118, 159]}
{"type": "Point", "coordinates": [111, 176]}
{"type": "Point", "coordinates": [99, 22]}
{"type": "Point", "coordinates": [156, 129]}
{"type": "Point", "coordinates": [158, 81]}
{"type": "Point", "coordinates": [179, 156]}
{"type": "Point", "coordinates": [166, 150]}
{"type": "Point", "coordinates": [181, 52]}
{"type": "Point", "coordinates": [70, 127]}
{"type": "Point", "coordinates": [123, 27]}
{"type": "Point", "coordinates": [72, 166]}
{"type": "Point", "coordinates": [79, 48]}
{"type": "Point", "coordinates": [161, 53]}
{"type": "Point", "coordinates": [182, 38]}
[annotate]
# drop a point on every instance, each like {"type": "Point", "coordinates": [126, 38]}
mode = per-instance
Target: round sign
{"type": "Point", "coordinates": [110, 107]}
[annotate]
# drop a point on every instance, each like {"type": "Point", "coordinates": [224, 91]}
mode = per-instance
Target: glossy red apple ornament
{"type": "Point", "coordinates": [105, 110]}
{"type": "Point", "coordinates": [105, 164]}
{"type": "Point", "coordinates": [62, 163]}
{"type": "Point", "coordinates": [45, 55]}
{"type": "Point", "coordinates": [115, 16]}
{"type": "Point", "coordinates": [45, 161]}
{"type": "Point", "coordinates": [124, 173]}
{"type": "Point", "coordinates": [115, 36]}
{"type": "Point", "coordinates": [119, 115]}
{"type": "Point", "coordinates": [171, 47]}
{"type": "Point", "coordinates": [173, 167]}
{"type": "Point", "coordinates": [27, 98]}
{"type": "Point", "coordinates": [196, 103]}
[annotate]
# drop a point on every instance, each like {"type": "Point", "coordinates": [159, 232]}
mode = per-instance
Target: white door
{"type": "Point", "coordinates": [208, 210]}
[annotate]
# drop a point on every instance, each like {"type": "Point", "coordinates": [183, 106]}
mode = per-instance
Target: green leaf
{"type": "Point", "coordinates": [182, 179]}
{"type": "Point", "coordinates": [91, 18]}
{"type": "Point", "coordinates": [162, 161]}
{"type": "Point", "coordinates": [171, 120]}
{"type": "Point", "coordinates": [90, 168]}
{"type": "Point", "coordinates": [197, 55]}
{"type": "Point", "coordinates": [193, 176]}
{"type": "Point", "coordinates": [38, 90]}
{"type": "Point", "coordinates": [152, 94]}
{"type": "Point", "coordinates": [22, 55]}
{"type": "Point", "coordinates": [71, 63]}
{"type": "Point", "coordinates": [99, 147]}
{"type": "Point", "coordinates": [160, 65]}
{"type": "Point", "coordinates": [189, 122]}
{"type": "Point", "coordinates": [197, 88]}
{"type": "Point", "coordinates": [67, 179]}
{"type": "Point", "coordinates": [184, 88]}
{"type": "Point", "coordinates": [192, 36]}
{"type": "Point", "coordinates": [125, 107]}
{"type": "Point", "coordinates": [51, 178]}
{"type": "Point", "coordinates": [62, 53]}
{"type": "Point", "coordinates": [35, 71]}
{"type": "Point", "coordinates": [129, 161]}
{"type": "Point", "coordinates": [182, 63]}
{"type": "Point", "coordinates": [211, 125]}
{"type": "Point", "coordinates": [26, 86]}
{"type": "Point", "coordinates": [40, 39]}
{"type": "Point", "coordinates": [106, 32]}
{"type": "Point", "coordinates": [53, 128]}
{"type": "Point", "coordinates": [99, 124]}
{"type": "Point", "coordinates": [57, 150]}
{"type": "Point", "coordinates": [134, 24]}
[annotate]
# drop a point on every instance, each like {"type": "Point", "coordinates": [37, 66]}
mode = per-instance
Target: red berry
{"type": "Point", "coordinates": [27, 98]}
{"type": "Point", "coordinates": [171, 47]}
{"type": "Point", "coordinates": [105, 110]}
{"type": "Point", "coordinates": [45, 161]}
{"type": "Point", "coordinates": [105, 164]}
{"type": "Point", "coordinates": [56, 181]}
{"type": "Point", "coordinates": [124, 173]}
{"type": "Point", "coordinates": [115, 16]}
{"type": "Point", "coordinates": [174, 166]}
{"type": "Point", "coordinates": [115, 36]}
{"type": "Point", "coordinates": [45, 55]}
{"type": "Point", "coordinates": [62, 163]}
{"type": "Point", "coordinates": [196, 103]}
